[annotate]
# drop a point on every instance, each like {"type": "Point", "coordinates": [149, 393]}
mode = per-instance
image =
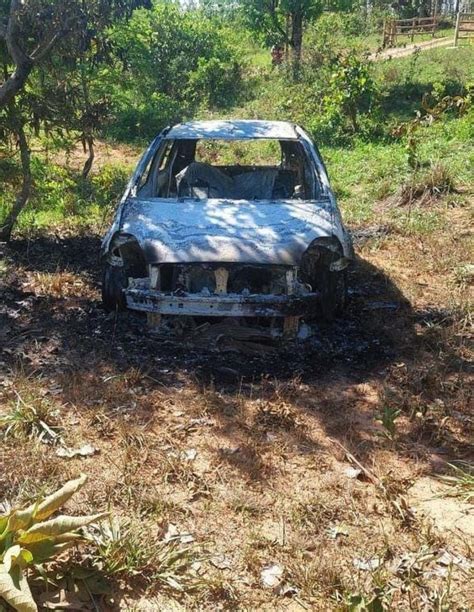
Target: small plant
{"type": "Point", "coordinates": [461, 479]}
{"type": "Point", "coordinates": [31, 418]}
{"type": "Point", "coordinates": [423, 188]}
{"type": "Point", "coordinates": [30, 537]}
{"type": "Point", "coordinates": [351, 89]}
{"type": "Point", "coordinates": [126, 549]}
{"type": "Point", "coordinates": [425, 117]}
{"type": "Point", "coordinates": [387, 418]}
{"type": "Point", "coordinates": [364, 603]}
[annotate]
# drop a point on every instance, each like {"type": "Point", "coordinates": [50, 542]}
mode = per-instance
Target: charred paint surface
{"type": "Point", "coordinates": [215, 256]}
{"type": "Point", "coordinates": [229, 231]}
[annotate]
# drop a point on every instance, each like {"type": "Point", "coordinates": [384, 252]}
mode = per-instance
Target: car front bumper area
{"type": "Point", "coordinates": [218, 305]}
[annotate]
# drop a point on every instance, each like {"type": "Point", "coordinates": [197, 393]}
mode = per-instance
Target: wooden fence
{"type": "Point", "coordinates": [392, 28]}
{"type": "Point", "coordinates": [464, 27]}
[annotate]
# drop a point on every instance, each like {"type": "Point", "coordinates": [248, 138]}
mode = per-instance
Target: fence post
{"type": "Point", "coordinates": [435, 18]}
{"type": "Point", "coordinates": [412, 29]}
{"type": "Point", "coordinates": [456, 32]}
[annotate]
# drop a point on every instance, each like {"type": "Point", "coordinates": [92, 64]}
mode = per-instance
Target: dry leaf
{"type": "Point", "coordinates": [271, 575]}
{"type": "Point", "coordinates": [84, 451]}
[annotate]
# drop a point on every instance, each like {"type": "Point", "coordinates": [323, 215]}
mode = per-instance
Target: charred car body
{"type": "Point", "coordinates": [196, 235]}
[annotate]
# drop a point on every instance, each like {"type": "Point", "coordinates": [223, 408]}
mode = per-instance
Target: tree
{"type": "Point", "coordinates": [169, 63]}
{"type": "Point", "coordinates": [29, 29]}
{"type": "Point", "coordinates": [33, 33]}
{"type": "Point", "coordinates": [23, 45]}
{"type": "Point", "coordinates": [283, 21]}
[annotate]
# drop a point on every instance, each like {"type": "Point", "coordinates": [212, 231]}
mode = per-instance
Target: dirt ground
{"type": "Point", "coordinates": [292, 491]}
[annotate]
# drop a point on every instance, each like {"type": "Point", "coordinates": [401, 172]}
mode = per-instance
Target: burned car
{"type": "Point", "coordinates": [228, 219]}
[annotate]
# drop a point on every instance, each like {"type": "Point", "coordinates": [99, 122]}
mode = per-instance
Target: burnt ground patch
{"type": "Point", "coordinates": [376, 328]}
{"type": "Point", "coordinates": [53, 327]}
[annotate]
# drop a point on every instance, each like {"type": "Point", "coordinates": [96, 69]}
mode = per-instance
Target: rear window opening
{"type": "Point", "coordinates": [238, 152]}
{"type": "Point", "coordinates": [260, 169]}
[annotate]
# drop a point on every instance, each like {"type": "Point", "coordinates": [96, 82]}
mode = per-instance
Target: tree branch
{"type": "Point", "coordinates": [42, 50]}
{"type": "Point", "coordinates": [23, 61]}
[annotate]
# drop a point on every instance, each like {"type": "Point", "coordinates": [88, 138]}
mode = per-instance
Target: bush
{"type": "Point", "coordinates": [171, 63]}
{"type": "Point", "coordinates": [351, 92]}
{"type": "Point", "coordinates": [140, 121]}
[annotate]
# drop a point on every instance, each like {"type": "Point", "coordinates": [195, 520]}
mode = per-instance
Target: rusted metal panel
{"type": "Point", "coordinates": [235, 305]}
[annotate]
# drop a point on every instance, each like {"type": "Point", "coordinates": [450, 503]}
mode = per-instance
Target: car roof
{"type": "Point", "coordinates": [233, 130]}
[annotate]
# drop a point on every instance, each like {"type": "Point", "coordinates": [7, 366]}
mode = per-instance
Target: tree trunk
{"type": "Point", "coordinates": [24, 194]}
{"type": "Point", "coordinates": [14, 83]}
{"type": "Point", "coordinates": [297, 41]}
{"type": "Point", "coordinates": [89, 140]}
{"type": "Point", "coordinates": [352, 112]}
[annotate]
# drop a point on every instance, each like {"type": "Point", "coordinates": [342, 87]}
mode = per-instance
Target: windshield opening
{"type": "Point", "coordinates": [260, 169]}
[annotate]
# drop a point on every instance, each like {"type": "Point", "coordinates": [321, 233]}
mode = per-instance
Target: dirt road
{"type": "Point", "coordinates": [410, 49]}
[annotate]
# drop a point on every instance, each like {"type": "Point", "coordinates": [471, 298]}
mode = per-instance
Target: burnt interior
{"type": "Point", "coordinates": [176, 172]}
{"type": "Point", "coordinates": [201, 278]}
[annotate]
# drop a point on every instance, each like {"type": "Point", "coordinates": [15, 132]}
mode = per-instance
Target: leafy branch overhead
{"type": "Point", "coordinates": [27, 45]}
{"type": "Point", "coordinates": [29, 537]}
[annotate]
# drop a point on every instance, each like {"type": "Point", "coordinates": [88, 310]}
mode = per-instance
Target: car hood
{"type": "Point", "coordinates": [233, 231]}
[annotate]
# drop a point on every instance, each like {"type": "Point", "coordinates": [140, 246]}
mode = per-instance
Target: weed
{"type": "Point", "coordinates": [464, 275]}
{"type": "Point", "coordinates": [120, 548]}
{"type": "Point", "coordinates": [311, 576]}
{"type": "Point", "coordinates": [422, 189]}
{"type": "Point", "coordinates": [31, 417]}
{"type": "Point", "coordinates": [276, 415]}
{"type": "Point", "coordinates": [125, 548]}
{"type": "Point", "coordinates": [388, 418]}
{"type": "Point", "coordinates": [357, 602]}
{"type": "Point", "coordinates": [30, 537]}
{"type": "Point", "coordinates": [461, 479]}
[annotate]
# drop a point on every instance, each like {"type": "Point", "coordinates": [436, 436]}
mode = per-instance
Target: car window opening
{"type": "Point", "coordinates": [262, 169]}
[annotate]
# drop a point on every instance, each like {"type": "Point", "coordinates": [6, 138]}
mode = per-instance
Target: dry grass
{"type": "Point", "coordinates": [427, 186]}
{"type": "Point", "coordinates": [258, 471]}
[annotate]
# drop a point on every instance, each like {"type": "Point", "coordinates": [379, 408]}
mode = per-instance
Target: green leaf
{"type": "Point", "coordinates": [15, 591]}
{"type": "Point", "coordinates": [41, 551]}
{"type": "Point", "coordinates": [57, 527]}
{"type": "Point", "coordinates": [15, 555]}
{"type": "Point", "coordinates": [54, 501]}
{"type": "Point", "coordinates": [46, 549]}
{"type": "Point", "coordinates": [21, 519]}
{"type": "Point", "coordinates": [10, 555]}
{"type": "Point", "coordinates": [3, 523]}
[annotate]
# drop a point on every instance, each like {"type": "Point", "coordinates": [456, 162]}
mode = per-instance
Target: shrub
{"type": "Point", "coordinates": [30, 537]}
{"type": "Point", "coordinates": [171, 62]}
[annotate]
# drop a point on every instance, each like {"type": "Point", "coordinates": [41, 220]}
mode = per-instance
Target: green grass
{"type": "Point", "coordinates": [367, 172]}
{"type": "Point", "coordinates": [403, 82]}
{"type": "Point", "coordinates": [363, 169]}
{"type": "Point", "coordinates": [60, 195]}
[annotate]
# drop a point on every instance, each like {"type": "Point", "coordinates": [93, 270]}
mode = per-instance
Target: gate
{"type": "Point", "coordinates": [392, 28]}
{"type": "Point", "coordinates": [464, 27]}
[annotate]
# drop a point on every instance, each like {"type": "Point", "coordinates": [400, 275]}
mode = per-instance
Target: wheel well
{"type": "Point", "coordinates": [126, 251]}
{"type": "Point", "coordinates": [317, 259]}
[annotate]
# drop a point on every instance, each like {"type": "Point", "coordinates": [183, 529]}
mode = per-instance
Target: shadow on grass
{"type": "Point", "coordinates": [72, 338]}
